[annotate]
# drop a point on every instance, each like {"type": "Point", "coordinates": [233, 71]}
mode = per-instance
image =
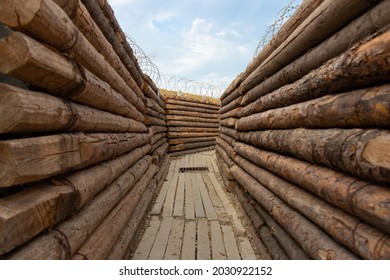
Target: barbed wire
{"type": "Point", "coordinates": [282, 16]}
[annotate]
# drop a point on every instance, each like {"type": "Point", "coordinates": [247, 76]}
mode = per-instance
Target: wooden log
{"type": "Point", "coordinates": [194, 135]}
{"type": "Point", "coordinates": [198, 119]}
{"type": "Point", "coordinates": [193, 104]}
{"type": "Point", "coordinates": [164, 165]}
{"type": "Point", "coordinates": [228, 131]}
{"type": "Point", "coordinates": [328, 18]}
{"type": "Point", "coordinates": [232, 96]}
{"type": "Point", "coordinates": [98, 246]}
{"type": "Point", "coordinates": [154, 129]}
{"type": "Point", "coordinates": [191, 109]}
{"type": "Point", "coordinates": [229, 122]}
{"type": "Point", "coordinates": [359, 237]}
{"type": "Point", "coordinates": [191, 114]}
{"type": "Point", "coordinates": [302, 12]}
{"type": "Point", "coordinates": [360, 108]}
{"type": "Point", "coordinates": [153, 113]}
{"type": "Point", "coordinates": [157, 137]}
{"type": "Point", "coordinates": [363, 65]}
{"type": "Point", "coordinates": [52, 155]}
{"type": "Point", "coordinates": [190, 140]}
{"type": "Point", "coordinates": [230, 185]}
{"type": "Point", "coordinates": [362, 153]}
{"type": "Point", "coordinates": [155, 106]}
{"type": "Point", "coordinates": [64, 240]}
{"type": "Point", "coordinates": [158, 144]}
{"type": "Point", "coordinates": [128, 234]}
{"type": "Point", "coordinates": [191, 151]}
{"type": "Point", "coordinates": [192, 124]}
{"type": "Point", "coordinates": [47, 203]}
{"type": "Point", "coordinates": [26, 111]}
{"type": "Point", "coordinates": [225, 170]}
{"type": "Point", "coordinates": [154, 121]}
{"type": "Point", "coordinates": [64, 36]}
{"type": "Point", "coordinates": [231, 114]}
{"type": "Point", "coordinates": [292, 249]}
{"type": "Point", "coordinates": [316, 243]}
{"type": "Point", "coordinates": [370, 202]}
{"type": "Point", "coordinates": [187, 146]}
{"type": "Point", "coordinates": [232, 105]}
{"type": "Point", "coordinates": [193, 129]}
{"type": "Point", "coordinates": [80, 16]}
{"type": "Point", "coordinates": [30, 61]}
{"type": "Point", "coordinates": [336, 44]}
{"type": "Point", "coordinates": [120, 48]}
{"type": "Point", "coordinates": [226, 146]}
{"type": "Point", "coordinates": [230, 140]}
{"type": "Point", "coordinates": [193, 98]}
{"type": "Point", "coordinates": [162, 150]}
{"type": "Point", "coordinates": [224, 155]}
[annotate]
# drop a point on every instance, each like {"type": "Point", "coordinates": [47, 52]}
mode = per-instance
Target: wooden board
{"type": "Point", "coordinates": [203, 247]}
{"type": "Point", "coordinates": [179, 201]}
{"type": "Point", "coordinates": [189, 241]}
{"type": "Point", "coordinates": [230, 243]}
{"type": "Point", "coordinates": [146, 243]}
{"type": "Point", "coordinates": [158, 249]}
{"type": "Point", "coordinates": [217, 246]}
{"type": "Point", "coordinates": [189, 198]}
{"type": "Point", "coordinates": [173, 251]}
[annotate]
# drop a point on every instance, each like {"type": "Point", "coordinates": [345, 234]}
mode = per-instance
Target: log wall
{"type": "Point", "coordinates": [304, 138]}
{"type": "Point", "coordinates": [192, 123]}
{"type": "Point", "coordinates": [82, 133]}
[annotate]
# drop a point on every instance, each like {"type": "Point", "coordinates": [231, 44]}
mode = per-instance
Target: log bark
{"type": "Point", "coordinates": [363, 65]}
{"type": "Point", "coordinates": [313, 240]}
{"type": "Point", "coordinates": [154, 121]}
{"type": "Point", "coordinates": [28, 60]}
{"type": "Point", "coordinates": [369, 202]}
{"type": "Point", "coordinates": [194, 99]}
{"type": "Point", "coordinates": [230, 185]}
{"type": "Point", "coordinates": [226, 146]}
{"type": "Point", "coordinates": [187, 146]}
{"type": "Point", "coordinates": [192, 104]}
{"type": "Point", "coordinates": [191, 114]}
{"type": "Point", "coordinates": [52, 155]}
{"type": "Point", "coordinates": [234, 95]}
{"type": "Point", "coordinates": [158, 144]}
{"type": "Point", "coordinates": [360, 108]}
{"type": "Point", "coordinates": [151, 112]}
{"type": "Point", "coordinates": [232, 105]}
{"type": "Point", "coordinates": [336, 44]}
{"type": "Point", "coordinates": [191, 109]}
{"type": "Point", "coordinates": [362, 153]}
{"type": "Point", "coordinates": [192, 124]}
{"type": "Point", "coordinates": [229, 122]}
{"type": "Point", "coordinates": [64, 36]}
{"type": "Point", "coordinates": [191, 151]}
{"type": "Point", "coordinates": [228, 139]}
{"type": "Point", "coordinates": [162, 150]}
{"type": "Point", "coordinates": [193, 129]}
{"type": "Point", "coordinates": [164, 165]}
{"type": "Point", "coordinates": [98, 246]}
{"type": "Point", "coordinates": [190, 140]}
{"type": "Point", "coordinates": [194, 135]}
{"type": "Point", "coordinates": [46, 204]}
{"type": "Point", "coordinates": [328, 18]}
{"type": "Point", "coordinates": [157, 137]}
{"type": "Point", "coordinates": [224, 155]}
{"type": "Point", "coordinates": [154, 105]}
{"type": "Point", "coordinates": [64, 240]}
{"type": "Point", "coordinates": [154, 129]}
{"type": "Point", "coordinates": [231, 114]}
{"type": "Point", "coordinates": [26, 111]}
{"type": "Point", "coordinates": [363, 239]}
{"type": "Point", "coordinates": [228, 131]}
{"type": "Point", "coordinates": [198, 119]}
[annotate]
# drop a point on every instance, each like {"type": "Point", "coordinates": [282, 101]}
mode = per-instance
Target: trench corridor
{"type": "Point", "coordinates": [193, 217]}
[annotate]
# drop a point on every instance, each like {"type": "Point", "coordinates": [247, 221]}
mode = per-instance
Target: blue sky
{"type": "Point", "coordinates": [211, 41]}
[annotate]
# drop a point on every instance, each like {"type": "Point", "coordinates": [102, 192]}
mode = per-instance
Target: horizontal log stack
{"type": "Point", "coordinates": [82, 135]}
{"type": "Point", "coordinates": [305, 136]}
{"type": "Point", "coordinates": [192, 123]}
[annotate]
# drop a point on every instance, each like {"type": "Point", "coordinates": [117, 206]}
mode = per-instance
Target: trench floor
{"type": "Point", "coordinates": [194, 217]}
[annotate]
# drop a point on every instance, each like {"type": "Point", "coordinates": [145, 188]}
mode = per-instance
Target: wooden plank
{"type": "Point", "coordinates": [217, 246]}
{"type": "Point", "coordinates": [158, 249]}
{"type": "Point", "coordinates": [169, 199]}
{"type": "Point", "coordinates": [238, 228]}
{"type": "Point", "coordinates": [189, 198]}
{"type": "Point", "coordinates": [173, 251]}
{"type": "Point", "coordinates": [199, 211]}
{"type": "Point", "coordinates": [218, 206]}
{"type": "Point", "coordinates": [189, 240]}
{"type": "Point", "coordinates": [146, 243]}
{"type": "Point", "coordinates": [158, 205]}
{"type": "Point", "coordinates": [208, 205]}
{"type": "Point", "coordinates": [246, 249]}
{"type": "Point", "coordinates": [230, 243]}
{"type": "Point", "coordinates": [203, 248]}
{"type": "Point", "coordinates": [179, 201]}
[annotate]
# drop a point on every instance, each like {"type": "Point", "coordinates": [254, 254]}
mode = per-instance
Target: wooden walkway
{"type": "Point", "coordinates": [193, 218]}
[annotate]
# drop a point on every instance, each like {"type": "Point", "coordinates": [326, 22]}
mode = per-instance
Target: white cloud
{"type": "Point", "coordinates": [121, 2]}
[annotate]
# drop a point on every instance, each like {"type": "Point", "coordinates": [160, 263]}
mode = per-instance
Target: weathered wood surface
{"type": "Point", "coordinates": [26, 111]}
{"type": "Point", "coordinates": [182, 135]}
{"type": "Point", "coordinates": [357, 30]}
{"type": "Point", "coordinates": [232, 96]}
{"type": "Point", "coordinates": [151, 112]}
{"type": "Point", "coordinates": [191, 151]}
{"type": "Point", "coordinates": [313, 240]}
{"type": "Point", "coordinates": [185, 146]}
{"type": "Point", "coordinates": [154, 121]}
{"type": "Point", "coordinates": [192, 124]}
{"type": "Point", "coordinates": [193, 129]}
{"type": "Point", "coordinates": [56, 154]}
{"type": "Point", "coordinates": [64, 36]}
{"type": "Point", "coordinates": [198, 119]}
{"type": "Point", "coordinates": [155, 106]}
{"type": "Point", "coordinates": [157, 137]}
{"type": "Point", "coordinates": [363, 65]}
{"type": "Point", "coordinates": [154, 129]}
{"type": "Point", "coordinates": [370, 202]}
{"type": "Point", "coordinates": [190, 108]}
{"type": "Point", "coordinates": [332, 147]}
{"type": "Point", "coordinates": [158, 144]}
{"type": "Point", "coordinates": [30, 61]}
{"type": "Point", "coordinates": [360, 238]}
{"type": "Point", "coordinates": [224, 155]}
{"type": "Point", "coordinates": [326, 19]}
{"type": "Point", "coordinates": [232, 105]}
{"type": "Point", "coordinates": [360, 108]}
{"type": "Point", "coordinates": [229, 122]}
{"type": "Point", "coordinates": [229, 131]}
{"type": "Point", "coordinates": [190, 140]}
{"type": "Point", "coordinates": [231, 114]}
{"type": "Point", "coordinates": [225, 146]}
{"type": "Point", "coordinates": [202, 105]}
{"type": "Point", "coordinates": [162, 150]}
{"type": "Point", "coordinates": [191, 114]}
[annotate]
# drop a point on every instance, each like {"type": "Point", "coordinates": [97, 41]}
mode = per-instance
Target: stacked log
{"type": "Point", "coordinates": [192, 123]}
{"type": "Point", "coordinates": [82, 135]}
{"type": "Point", "coordinates": [305, 134]}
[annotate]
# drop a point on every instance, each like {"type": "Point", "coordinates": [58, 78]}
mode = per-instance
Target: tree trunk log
{"type": "Point", "coordinates": [194, 135]}
{"type": "Point", "coordinates": [232, 105]}
{"type": "Point", "coordinates": [362, 153]}
{"type": "Point", "coordinates": [359, 108]}
{"type": "Point", "coordinates": [154, 121]}
{"type": "Point", "coordinates": [155, 106]}
{"type": "Point", "coordinates": [187, 146]}
{"type": "Point", "coordinates": [191, 114]}
{"type": "Point", "coordinates": [313, 240]}
{"type": "Point", "coordinates": [192, 124]}
{"type": "Point", "coordinates": [191, 109]}
{"type": "Point", "coordinates": [193, 129]}
{"type": "Point", "coordinates": [198, 119]}
{"type": "Point", "coordinates": [231, 114]}
{"type": "Point", "coordinates": [190, 140]}
{"type": "Point", "coordinates": [226, 146]}
{"type": "Point", "coordinates": [153, 113]}
{"type": "Point", "coordinates": [229, 131]}
{"type": "Point", "coordinates": [192, 151]}
{"type": "Point", "coordinates": [224, 155]}
{"type": "Point", "coordinates": [192, 104]}
{"type": "Point", "coordinates": [229, 122]}
{"type": "Point", "coordinates": [52, 155]}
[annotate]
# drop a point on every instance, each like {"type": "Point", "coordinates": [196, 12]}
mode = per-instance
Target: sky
{"type": "Point", "coordinates": [210, 41]}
